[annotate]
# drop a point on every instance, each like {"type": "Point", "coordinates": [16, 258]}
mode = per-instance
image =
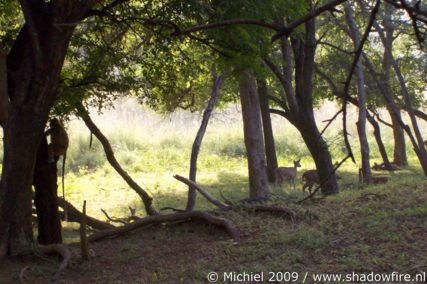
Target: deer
{"type": "Point", "coordinates": [289, 174]}
{"type": "Point", "coordinates": [309, 179]}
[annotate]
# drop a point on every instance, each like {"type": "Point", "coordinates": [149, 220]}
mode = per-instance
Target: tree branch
{"type": "Point", "coordinates": [191, 215]}
{"type": "Point", "coordinates": [285, 31]}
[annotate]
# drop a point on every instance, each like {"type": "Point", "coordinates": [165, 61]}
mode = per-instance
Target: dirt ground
{"type": "Point", "coordinates": [379, 229]}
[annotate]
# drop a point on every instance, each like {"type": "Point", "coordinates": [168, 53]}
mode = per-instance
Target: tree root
{"type": "Point", "coordinates": [184, 216]}
{"type": "Point", "coordinates": [289, 213]}
{"type": "Point", "coordinates": [22, 274]}
{"type": "Point", "coordinates": [60, 249]}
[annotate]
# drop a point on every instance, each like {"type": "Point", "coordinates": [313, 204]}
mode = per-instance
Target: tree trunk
{"type": "Point", "coordinates": [191, 201]}
{"type": "Point", "coordinates": [109, 153]}
{"type": "Point", "coordinates": [21, 137]}
{"type": "Point", "coordinates": [319, 151]}
{"type": "Point", "coordinates": [399, 153]}
{"type": "Point", "coordinates": [33, 69]}
{"type": "Point", "coordinates": [258, 181]}
{"type": "Point", "coordinates": [361, 94]}
{"type": "Point", "coordinates": [46, 198]}
{"type": "Point", "coordinates": [378, 139]}
{"type": "Point", "coordinates": [270, 148]}
{"type": "Point", "coordinates": [4, 99]}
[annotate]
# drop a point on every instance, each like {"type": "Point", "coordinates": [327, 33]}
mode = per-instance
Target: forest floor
{"type": "Point", "coordinates": [377, 228]}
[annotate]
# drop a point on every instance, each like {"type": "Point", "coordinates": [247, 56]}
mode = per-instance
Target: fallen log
{"type": "Point", "coordinates": [74, 215]}
{"type": "Point", "coordinates": [184, 216]}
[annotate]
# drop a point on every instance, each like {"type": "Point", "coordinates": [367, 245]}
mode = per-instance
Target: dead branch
{"type": "Point", "coordinates": [202, 191]}
{"type": "Point", "coordinates": [146, 199]}
{"type": "Point", "coordinates": [114, 220]}
{"type": "Point", "coordinates": [83, 235]}
{"type": "Point", "coordinates": [60, 249]}
{"type": "Point", "coordinates": [156, 219]}
{"type": "Point", "coordinates": [75, 215]}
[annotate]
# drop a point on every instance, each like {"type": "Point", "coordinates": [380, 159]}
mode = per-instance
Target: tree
{"type": "Point", "coordinates": [258, 180]}
{"type": "Point", "coordinates": [297, 57]}
{"type": "Point", "coordinates": [34, 65]}
{"type": "Point", "coordinates": [361, 95]}
{"type": "Point", "coordinates": [270, 148]}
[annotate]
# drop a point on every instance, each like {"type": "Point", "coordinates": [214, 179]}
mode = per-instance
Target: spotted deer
{"type": "Point", "coordinates": [288, 174]}
{"type": "Point", "coordinates": [309, 179]}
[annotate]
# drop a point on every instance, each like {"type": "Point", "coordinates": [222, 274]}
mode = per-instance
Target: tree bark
{"type": "Point", "coordinates": [146, 199]}
{"type": "Point", "coordinates": [417, 141]}
{"type": "Point", "coordinates": [298, 108]}
{"type": "Point", "coordinates": [361, 94]}
{"type": "Point", "coordinates": [399, 153]}
{"type": "Point", "coordinates": [378, 139]}
{"type": "Point", "coordinates": [33, 69]}
{"type": "Point", "coordinates": [4, 99]}
{"type": "Point", "coordinates": [270, 148]}
{"type": "Point", "coordinates": [191, 201]}
{"type": "Point", "coordinates": [258, 180]}
{"type": "Point", "coordinates": [46, 199]}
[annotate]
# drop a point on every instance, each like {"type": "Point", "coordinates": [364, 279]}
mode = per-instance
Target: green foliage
{"type": "Point", "coordinates": [11, 20]}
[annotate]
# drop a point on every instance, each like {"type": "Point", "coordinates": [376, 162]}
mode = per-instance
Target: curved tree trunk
{"type": "Point", "coordinates": [270, 148]}
{"type": "Point", "coordinates": [381, 148]}
{"type": "Point", "coordinates": [191, 201]}
{"type": "Point", "coordinates": [46, 198]}
{"type": "Point", "coordinates": [319, 151]}
{"type": "Point", "coordinates": [109, 153]}
{"type": "Point", "coordinates": [258, 180]}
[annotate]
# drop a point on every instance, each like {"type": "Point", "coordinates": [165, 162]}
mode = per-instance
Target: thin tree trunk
{"type": "Point", "coordinates": [46, 199]}
{"type": "Point", "coordinates": [191, 201]}
{"type": "Point", "coordinates": [270, 148]}
{"type": "Point", "coordinates": [258, 180]}
{"type": "Point", "coordinates": [361, 92]}
{"type": "Point", "coordinates": [378, 139]}
{"type": "Point", "coordinates": [146, 199]}
{"type": "Point", "coordinates": [417, 141]}
{"type": "Point", "coordinates": [399, 153]}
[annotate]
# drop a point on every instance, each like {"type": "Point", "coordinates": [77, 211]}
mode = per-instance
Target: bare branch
{"type": "Point", "coordinates": [285, 31]}
{"type": "Point", "coordinates": [256, 22]}
{"type": "Point", "coordinates": [202, 191]}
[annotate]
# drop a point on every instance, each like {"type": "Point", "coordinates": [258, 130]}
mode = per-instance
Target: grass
{"type": "Point", "coordinates": [376, 228]}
